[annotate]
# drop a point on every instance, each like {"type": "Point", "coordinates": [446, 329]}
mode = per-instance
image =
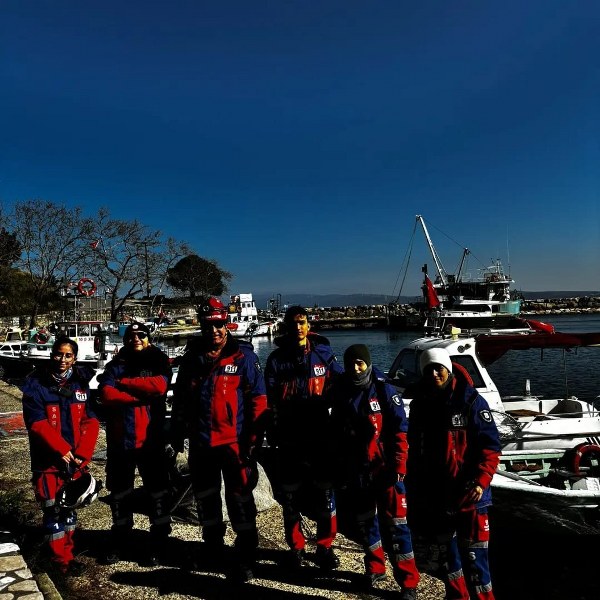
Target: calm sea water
{"type": "Point", "coordinates": [553, 373]}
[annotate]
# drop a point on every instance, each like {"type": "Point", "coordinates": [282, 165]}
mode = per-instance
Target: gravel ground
{"type": "Point", "coordinates": [526, 564]}
{"type": "Point", "coordinates": [173, 578]}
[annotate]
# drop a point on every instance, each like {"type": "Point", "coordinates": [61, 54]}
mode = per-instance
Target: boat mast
{"type": "Point", "coordinates": [436, 259]}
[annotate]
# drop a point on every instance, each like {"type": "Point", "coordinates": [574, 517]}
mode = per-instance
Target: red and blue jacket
{"type": "Point", "coordinates": [370, 428]}
{"type": "Point", "coordinates": [298, 379]}
{"type": "Point", "coordinates": [59, 419]}
{"type": "Point", "coordinates": [453, 444]}
{"type": "Point", "coordinates": [133, 390]}
{"type": "Point", "coordinates": [221, 401]}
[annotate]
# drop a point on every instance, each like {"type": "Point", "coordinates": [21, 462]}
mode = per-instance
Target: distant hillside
{"type": "Point", "coordinates": [333, 299]}
{"type": "Point", "coordinates": [554, 294]}
{"type": "Point", "coordinates": [323, 300]}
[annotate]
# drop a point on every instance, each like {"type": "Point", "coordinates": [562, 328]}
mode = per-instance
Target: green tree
{"type": "Point", "coordinates": [198, 277]}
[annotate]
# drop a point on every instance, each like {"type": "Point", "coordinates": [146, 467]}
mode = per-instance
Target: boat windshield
{"type": "Point", "coordinates": [405, 369]}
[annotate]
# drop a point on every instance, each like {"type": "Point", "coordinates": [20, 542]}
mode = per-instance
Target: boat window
{"type": "Point", "coordinates": [469, 365]}
{"type": "Point", "coordinates": [405, 368]}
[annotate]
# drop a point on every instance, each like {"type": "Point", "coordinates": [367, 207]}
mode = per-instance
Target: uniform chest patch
{"type": "Point", "coordinates": [319, 370]}
{"type": "Point", "coordinates": [486, 416]}
{"type": "Point", "coordinates": [80, 395]}
{"type": "Point", "coordinates": [374, 405]}
{"type": "Point", "coordinates": [397, 399]}
{"type": "Point", "coordinates": [457, 420]}
{"type": "Point", "coordinates": [231, 369]}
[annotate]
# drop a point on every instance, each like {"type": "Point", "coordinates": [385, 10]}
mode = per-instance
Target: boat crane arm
{"type": "Point", "coordinates": [436, 259]}
{"type": "Point", "coordinates": [466, 253]}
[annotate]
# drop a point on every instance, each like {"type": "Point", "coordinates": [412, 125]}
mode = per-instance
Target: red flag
{"type": "Point", "coordinates": [431, 295]}
{"type": "Point", "coordinates": [94, 245]}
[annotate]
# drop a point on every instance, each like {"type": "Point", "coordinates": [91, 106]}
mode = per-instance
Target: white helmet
{"type": "Point", "coordinates": [79, 492]}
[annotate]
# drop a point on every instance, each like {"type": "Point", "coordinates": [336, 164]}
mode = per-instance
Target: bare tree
{"type": "Point", "coordinates": [54, 240]}
{"type": "Point", "coordinates": [130, 259]}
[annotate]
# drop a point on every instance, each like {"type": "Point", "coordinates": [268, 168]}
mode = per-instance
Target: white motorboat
{"type": "Point", "coordinates": [550, 489]}
{"type": "Point", "coordinates": [97, 340]}
{"type": "Point", "coordinates": [525, 422]}
{"type": "Point", "coordinates": [11, 359]}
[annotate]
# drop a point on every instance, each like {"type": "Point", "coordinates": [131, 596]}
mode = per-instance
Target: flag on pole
{"type": "Point", "coordinates": [430, 294]}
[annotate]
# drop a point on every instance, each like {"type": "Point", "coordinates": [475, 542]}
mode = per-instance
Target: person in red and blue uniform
{"type": "Point", "coordinates": [369, 429]}
{"type": "Point", "coordinates": [454, 449]}
{"type": "Point", "coordinates": [219, 405]}
{"type": "Point", "coordinates": [298, 374]}
{"type": "Point", "coordinates": [133, 391]}
{"type": "Point", "coordinates": [62, 435]}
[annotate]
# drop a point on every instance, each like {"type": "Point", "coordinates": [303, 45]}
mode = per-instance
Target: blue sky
{"type": "Point", "coordinates": [295, 141]}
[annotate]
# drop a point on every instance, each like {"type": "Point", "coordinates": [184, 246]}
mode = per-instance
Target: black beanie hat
{"type": "Point", "coordinates": [356, 351]}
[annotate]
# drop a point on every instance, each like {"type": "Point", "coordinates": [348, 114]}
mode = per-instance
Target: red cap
{"type": "Point", "coordinates": [213, 310]}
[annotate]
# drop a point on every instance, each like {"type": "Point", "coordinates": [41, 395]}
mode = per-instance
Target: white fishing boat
{"type": "Point", "coordinates": [525, 422]}
{"type": "Point", "coordinates": [243, 319]}
{"type": "Point", "coordinates": [463, 299]}
{"type": "Point", "coordinates": [484, 300]}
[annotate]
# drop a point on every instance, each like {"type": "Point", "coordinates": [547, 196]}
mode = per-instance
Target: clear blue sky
{"type": "Point", "coordinates": [295, 141]}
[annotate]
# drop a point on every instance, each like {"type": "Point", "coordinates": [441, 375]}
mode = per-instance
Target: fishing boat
{"type": "Point", "coordinates": [525, 421]}
{"type": "Point", "coordinates": [484, 300]}
{"type": "Point", "coordinates": [243, 319]}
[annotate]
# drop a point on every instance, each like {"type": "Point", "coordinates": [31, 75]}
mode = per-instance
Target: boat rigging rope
{"type": "Point", "coordinates": [407, 261]}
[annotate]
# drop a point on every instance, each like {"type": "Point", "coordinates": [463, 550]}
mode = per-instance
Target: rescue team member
{"type": "Point", "coordinates": [297, 374]}
{"type": "Point", "coordinates": [454, 449]}
{"type": "Point", "coordinates": [133, 391]}
{"type": "Point", "coordinates": [62, 436]}
{"type": "Point", "coordinates": [219, 404]}
{"type": "Point", "coordinates": [369, 428]}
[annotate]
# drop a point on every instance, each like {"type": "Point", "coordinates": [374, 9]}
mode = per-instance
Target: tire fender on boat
{"type": "Point", "coordinates": [580, 451]}
{"type": "Point", "coordinates": [86, 286]}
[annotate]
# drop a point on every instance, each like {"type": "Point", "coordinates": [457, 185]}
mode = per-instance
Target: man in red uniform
{"type": "Point", "coordinates": [454, 450]}
{"type": "Point", "coordinates": [133, 391]}
{"type": "Point", "coordinates": [298, 373]}
{"type": "Point", "coordinates": [62, 435]}
{"type": "Point", "coordinates": [219, 405]}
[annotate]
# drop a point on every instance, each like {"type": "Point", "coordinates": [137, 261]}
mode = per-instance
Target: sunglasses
{"type": "Point", "coordinates": [141, 335]}
{"type": "Point", "coordinates": [217, 324]}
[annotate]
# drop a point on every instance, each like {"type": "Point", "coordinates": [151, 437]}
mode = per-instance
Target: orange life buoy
{"type": "Point", "coordinates": [41, 337]}
{"type": "Point", "coordinates": [580, 451]}
{"type": "Point", "coordinates": [86, 287]}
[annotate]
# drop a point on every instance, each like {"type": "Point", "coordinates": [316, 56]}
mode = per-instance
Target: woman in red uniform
{"type": "Point", "coordinates": [62, 436]}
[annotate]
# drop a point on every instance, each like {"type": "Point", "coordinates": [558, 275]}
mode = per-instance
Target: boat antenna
{"type": "Point", "coordinates": [507, 250]}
